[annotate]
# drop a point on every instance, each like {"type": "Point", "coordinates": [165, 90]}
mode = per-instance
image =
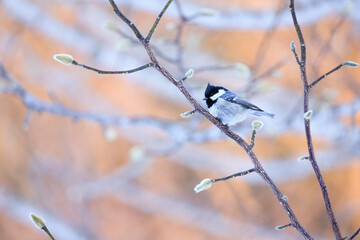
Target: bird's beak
{"type": "Point", "coordinates": [205, 98]}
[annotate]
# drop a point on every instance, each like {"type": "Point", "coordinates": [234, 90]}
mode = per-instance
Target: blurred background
{"type": "Point", "coordinates": [109, 157]}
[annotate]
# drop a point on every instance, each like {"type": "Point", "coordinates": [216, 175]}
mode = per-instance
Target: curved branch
{"type": "Point", "coordinates": [112, 72]}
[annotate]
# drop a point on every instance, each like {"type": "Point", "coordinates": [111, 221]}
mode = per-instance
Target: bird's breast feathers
{"type": "Point", "coordinates": [229, 113]}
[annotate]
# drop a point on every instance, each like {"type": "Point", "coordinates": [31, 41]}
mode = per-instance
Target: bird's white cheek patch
{"type": "Point", "coordinates": [219, 94]}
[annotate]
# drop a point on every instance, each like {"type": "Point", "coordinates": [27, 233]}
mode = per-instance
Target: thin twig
{"type": "Point", "coordinates": [326, 74]}
{"type": "Point", "coordinates": [253, 139]}
{"type": "Point", "coordinates": [48, 232]}
{"type": "Point", "coordinates": [113, 72]}
{"type": "Point", "coordinates": [147, 39]}
{"type": "Point", "coordinates": [281, 227]}
{"type": "Point", "coordinates": [312, 159]}
{"type": "Point", "coordinates": [136, 31]}
{"type": "Point", "coordinates": [355, 234]}
{"type": "Point", "coordinates": [296, 56]}
{"type": "Point", "coordinates": [243, 173]}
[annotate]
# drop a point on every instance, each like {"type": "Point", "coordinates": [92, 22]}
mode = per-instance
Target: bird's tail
{"type": "Point", "coordinates": [262, 113]}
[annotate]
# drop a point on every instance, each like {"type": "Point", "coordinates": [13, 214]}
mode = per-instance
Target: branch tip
{"type": "Point", "coordinates": [292, 46]}
{"type": "Point", "coordinates": [189, 73]}
{"type": "Point", "coordinates": [203, 185]}
{"type": "Point", "coordinates": [152, 30]}
{"type": "Point", "coordinates": [257, 125]}
{"type": "Point", "coordinates": [350, 64]}
{"type": "Point", "coordinates": [302, 159]}
{"type": "Point", "coordinates": [187, 114]}
{"type": "Point", "coordinates": [281, 227]}
{"type": "Point", "coordinates": [37, 220]}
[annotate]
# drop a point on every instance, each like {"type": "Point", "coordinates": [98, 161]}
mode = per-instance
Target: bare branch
{"type": "Point", "coordinates": [299, 33]}
{"type": "Point", "coordinates": [46, 230]}
{"type": "Point", "coordinates": [113, 72]}
{"type": "Point", "coordinates": [355, 234]}
{"type": "Point", "coordinates": [147, 39]}
{"type": "Point", "coordinates": [326, 74]}
{"type": "Point", "coordinates": [136, 31]}
{"type": "Point", "coordinates": [295, 53]}
{"type": "Point", "coordinates": [253, 139]}
{"type": "Point", "coordinates": [243, 173]}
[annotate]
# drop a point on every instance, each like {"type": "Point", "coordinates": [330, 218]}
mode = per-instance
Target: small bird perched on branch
{"type": "Point", "coordinates": [229, 108]}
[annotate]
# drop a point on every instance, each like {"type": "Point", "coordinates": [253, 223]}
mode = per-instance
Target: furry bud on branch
{"type": "Point", "coordinates": [257, 125]}
{"type": "Point", "coordinates": [292, 46]}
{"type": "Point", "coordinates": [350, 64]}
{"type": "Point", "coordinates": [203, 185]}
{"type": "Point", "coordinates": [189, 73]}
{"type": "Point", "coordinates": [308, 114]}
{"type": "Point", "coordinates": [38, 221]}
{"type": "Point", "coordinates": [64, 58]}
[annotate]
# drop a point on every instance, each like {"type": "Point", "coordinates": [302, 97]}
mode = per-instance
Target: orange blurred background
{"type": "Point", "coordinates": [125, 168]}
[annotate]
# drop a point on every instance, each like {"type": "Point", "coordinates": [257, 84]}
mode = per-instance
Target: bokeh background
{"type": "Point", "coordinates": [109, 156]}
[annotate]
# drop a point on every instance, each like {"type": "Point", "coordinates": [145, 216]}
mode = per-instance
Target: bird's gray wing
{"type": "Point", "coordinates": [231, 97]}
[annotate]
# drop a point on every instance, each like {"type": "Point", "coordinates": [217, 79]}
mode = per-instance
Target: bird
{"type": "Point", "coordinates": [229, 108]}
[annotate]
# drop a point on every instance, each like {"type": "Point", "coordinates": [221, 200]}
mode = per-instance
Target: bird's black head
{"type": "Point", "coordinates": [211, 91]}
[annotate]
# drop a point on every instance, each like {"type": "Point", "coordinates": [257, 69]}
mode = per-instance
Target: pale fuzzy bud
{"type": "Point", "coordinates": [122, 44]}
{"type": "Point", "coordinates": [203, 185]}
{"type": "Point", "coordinates": [243, 69]}
{"type": "Point", "coordinates": [64, 58]}
{"type": "Point", "coordinates": [292, 46]}
{"type": "Point", "coordinates": [189, 73]}
{"type": "Point", "coordinates": [308, 114]}
{"type": "Point", "coordinates": [137, 153]}
{"type": "Point", "coordinates": [350, 64]}
{"type": "Point", "coordinates": [285, 198]}
{"type": "Point", "coordinates": [281, 227]}
{"type": "Point", "coordinates": [110, 26]}
{"type": "Point", "coordinates": [208, 12]}
{"type": "Point", "coordinates": [187, 114]}
{"type": "Point", "coordinates": [301, 159]}
{"type": "Point", "coordinates": [170, 26]}
{"type": "Point", "coordinates": [38, 221]}
{"type": "Point", "coordinates": [110, 134]}
{"type": "Point", "coordinates": [257, 125]}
